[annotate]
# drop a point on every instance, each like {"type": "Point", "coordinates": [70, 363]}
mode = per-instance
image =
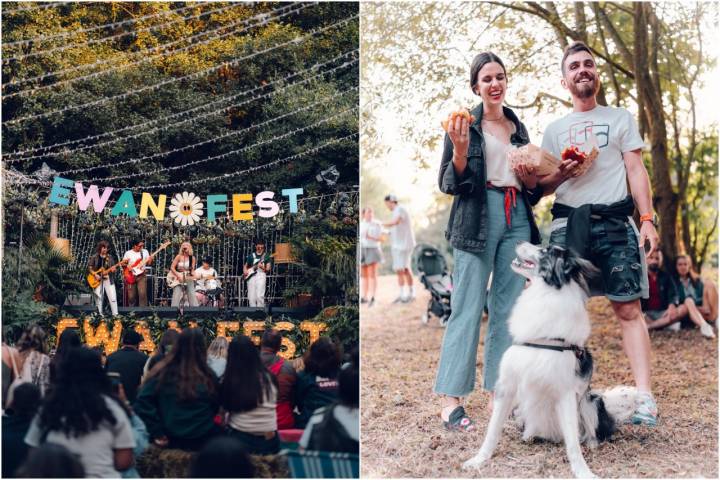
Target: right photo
{"type": "Point", "coordinates": [538, 240]}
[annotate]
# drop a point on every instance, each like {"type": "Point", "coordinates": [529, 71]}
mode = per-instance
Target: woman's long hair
{"type": "Point", "coordinates": [323, 358]}
{"type": "Point", "coordinates": [694, 277]}
{"type": "Point", "coordinates": [75, 403]}
{"type": "Point", "coordinates": [218, 348]}
{"type": "Point", "coordinates": [186, 366]}
{"type": "Point", "coordinates": [189, 249]}
{"type": "Point", "coordinates": [69, 339]}
{"type": "Point", "coordinates": [247, 382]}
{"type": "Point", "coordinates": [33, 338]}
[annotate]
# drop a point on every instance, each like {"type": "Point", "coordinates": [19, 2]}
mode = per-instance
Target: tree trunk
{"type": "Point", "coordinates": [665, 200]}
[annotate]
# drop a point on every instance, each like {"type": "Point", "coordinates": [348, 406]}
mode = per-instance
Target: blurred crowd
{"type": "Point", "coordinates": [76, 413]}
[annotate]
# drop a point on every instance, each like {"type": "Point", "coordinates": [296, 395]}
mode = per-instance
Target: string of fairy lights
{"type": "Point", "coordinates": [199, 74]}
{"type": "Point", "coordinates": [142, 126]}
{"type": "Point", "coordinates": [281, 84]}
{"type": "Point", "coordinates": [270, 121]}
{"type": "Point", "coordinates": [262, 19]}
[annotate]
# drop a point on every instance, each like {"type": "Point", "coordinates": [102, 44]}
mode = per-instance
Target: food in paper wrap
{"type": "Point", "coordinates": [543, 162]}
{"type": "Point", "coordinates": [459, 113]}
{"type": "Point", "coordinates": [584, 158]}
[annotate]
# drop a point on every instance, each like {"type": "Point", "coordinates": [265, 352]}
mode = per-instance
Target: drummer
{"type": "Point", "coordinates": [206, 281]}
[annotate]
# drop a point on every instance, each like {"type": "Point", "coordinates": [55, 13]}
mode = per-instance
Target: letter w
{"type": "Point", "coordinates": [84, 200]}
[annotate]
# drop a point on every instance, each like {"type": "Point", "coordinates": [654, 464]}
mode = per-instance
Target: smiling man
{"type": "Point", "coordinates": [592, 213]}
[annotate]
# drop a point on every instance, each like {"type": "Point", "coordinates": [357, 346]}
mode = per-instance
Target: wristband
{"type": "Point", "coordinates": [646, 218]}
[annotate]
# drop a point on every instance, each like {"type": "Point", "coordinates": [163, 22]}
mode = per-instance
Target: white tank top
{"type": "Point", "coordinates": [497, 165]}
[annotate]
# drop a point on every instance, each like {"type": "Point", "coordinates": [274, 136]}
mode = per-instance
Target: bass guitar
{"type": "Point", "coordinates": [139, 265]}
{"type": "Point", "coordinates": [92, 279]}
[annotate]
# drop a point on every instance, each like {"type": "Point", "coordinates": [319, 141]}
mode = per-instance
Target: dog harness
{"type": "Point", "coordinates": [580, 352]}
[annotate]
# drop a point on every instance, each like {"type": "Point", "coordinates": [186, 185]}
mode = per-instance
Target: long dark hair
{"type": "Point", "coordinates": [323, 358]}
{"type": "Point", "coordinates": [247, 382]}
{"type": "Point", "coordinates": [33, 338]}
{"type": "Point", "coordinates": [75, 403]}
{"type": "Point", "coordinates": [101, 244]}
{"type": "Point", "coordinates": [69, 339]}
{"type": "Point", "coordinates": [186, 366]}
{"type": "Point", "coordinates": [480, 60]}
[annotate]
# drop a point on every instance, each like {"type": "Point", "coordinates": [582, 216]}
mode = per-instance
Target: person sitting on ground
{"type": "Point", "coordinates": [179, 399]}
{"type": "Point", "coordinates": [700, 296]}
{"type": "Point", "coordinates": [317, 384]}
{"type": "Point", "coordinates": [661, 307]}
{"type": "Point", "coordinates": [129, 362]}
{"type": "Point", "coordinates": [81, 414]}
{"type": "Point", "coordinates": [168, 339]}
{"type": "Point", "coordinates": [687, 293]}
{"type": "Point", "coordinates": [69, 339]}
{"type": "Point", "coordinates": [336, 428]}
{"type": "Point", "coordinates": [51, 461]}
{"type": "Point", "coordinates": [217, 355]}
{"type": "Point", "coordinates": [222, 457]}
{"type": "Point", "coordinates": [15, 424]}
{"type": "Point", "coordinates": [284, 373]}
{"type": "Point", "coordinates": [249, 395]}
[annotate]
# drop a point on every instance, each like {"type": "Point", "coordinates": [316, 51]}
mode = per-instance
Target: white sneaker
{"type": "Point", "coordinates": [706, 330]}
{"type": "Point", "coordinates": [673, 327]}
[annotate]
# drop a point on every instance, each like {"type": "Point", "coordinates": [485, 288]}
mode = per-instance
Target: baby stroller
{"type": "Point", "coordinates": [434, 275]}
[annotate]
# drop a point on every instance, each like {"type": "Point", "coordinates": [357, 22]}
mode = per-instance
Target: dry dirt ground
{"type": "Point", "coordinates": [402, 435]}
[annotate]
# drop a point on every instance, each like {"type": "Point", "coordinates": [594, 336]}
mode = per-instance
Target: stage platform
{"type": "Point", "coordinates": [201, 312]}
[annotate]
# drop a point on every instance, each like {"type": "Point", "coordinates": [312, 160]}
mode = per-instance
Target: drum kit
{"type": "Point", "coordinates": [212, 291]}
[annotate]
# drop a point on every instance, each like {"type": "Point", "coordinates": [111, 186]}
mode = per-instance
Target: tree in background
{"type": "Point", "coordinates": [653, 58]}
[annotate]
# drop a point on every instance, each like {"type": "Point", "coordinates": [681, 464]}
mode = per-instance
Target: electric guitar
{"type": "Point", "coordinates": [172, 280]}
{"type": "Point", "coordinates": [101, 272]}
{"type": "Point", "coordinates": [139, 264]}
{"type": "Point", "coordinates": [254, 269]}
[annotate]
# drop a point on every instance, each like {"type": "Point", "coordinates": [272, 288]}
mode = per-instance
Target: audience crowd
{"type": "Point", "coordinates": [79, 414]}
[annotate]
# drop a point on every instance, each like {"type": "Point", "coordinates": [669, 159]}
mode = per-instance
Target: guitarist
{"type": "Point", "coordinates": [255, 269]}
{"type": "Point", "coordinates": [137, 292]}
{"type": "Point", "coordinates": [103, 260]}
{"type": "Point", "coordinates": [182, 268]}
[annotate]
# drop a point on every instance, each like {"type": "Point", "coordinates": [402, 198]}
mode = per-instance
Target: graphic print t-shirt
{"type": "Point", "coordinates": [616, 133]}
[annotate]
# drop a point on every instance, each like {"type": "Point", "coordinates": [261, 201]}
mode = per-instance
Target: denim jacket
{"type": "Point", "coordinates": [467, 228]}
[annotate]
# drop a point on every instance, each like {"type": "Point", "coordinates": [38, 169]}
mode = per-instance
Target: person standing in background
{"type": "Point", "coordinates": [370, 255]}
{"type": "Point", "coordinates": [402, 242]}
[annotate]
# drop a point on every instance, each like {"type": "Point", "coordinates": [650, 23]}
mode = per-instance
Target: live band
{"type": "Point", "coordinates": [192, 284]}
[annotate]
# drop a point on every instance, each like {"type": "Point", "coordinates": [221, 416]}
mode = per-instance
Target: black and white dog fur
{"type": "Point", "coordinates": [550, 389]}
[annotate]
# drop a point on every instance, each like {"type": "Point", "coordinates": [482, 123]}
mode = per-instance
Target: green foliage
{"type": "Point", "coordinates": [33, 280]}
{"type": "Point", "coordinates": [415, 66]}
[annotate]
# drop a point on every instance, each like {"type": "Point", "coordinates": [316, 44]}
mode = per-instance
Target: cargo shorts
{"type": "Point", "coordinates": [623, 271]}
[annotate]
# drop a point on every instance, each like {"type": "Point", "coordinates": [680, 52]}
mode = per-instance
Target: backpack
{"type": "Point", "coordinates": [25, 375]}
{"type": "Point", "coordinates": [330, 436]}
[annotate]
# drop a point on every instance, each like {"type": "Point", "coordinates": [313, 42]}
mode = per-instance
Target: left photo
{"type": "Point", "coordinates": [180, 186]}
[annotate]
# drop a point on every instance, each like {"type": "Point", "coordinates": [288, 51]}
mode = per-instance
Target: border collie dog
{"type": "Point", "coordinates": [545, 375]}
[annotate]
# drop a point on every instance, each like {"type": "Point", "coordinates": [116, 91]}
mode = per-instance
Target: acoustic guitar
{"type": "Point", "coordinates": [139, 265]}
{"type": "Point", "coordinates": [101, 272]}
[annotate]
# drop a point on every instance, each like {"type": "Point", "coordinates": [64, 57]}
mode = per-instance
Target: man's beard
{"type": "Point", "coordinates": [654, 268]}
{"type": "Point", "coordinates": [585, 90]}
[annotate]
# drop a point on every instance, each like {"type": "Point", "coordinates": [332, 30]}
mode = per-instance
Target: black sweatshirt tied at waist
{"type": "Point", "coordinates": [579, 221]}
